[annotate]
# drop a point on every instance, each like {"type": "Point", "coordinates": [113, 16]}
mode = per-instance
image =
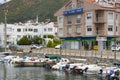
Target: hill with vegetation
{"type": "Point", "coordinates": [23, 10]}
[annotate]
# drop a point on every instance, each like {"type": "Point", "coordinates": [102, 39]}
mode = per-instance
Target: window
{"type": "Point", "coordinates": [18, 36]}
{"type": "Point", "coordinates": [73, 5]}
{"type": "Point", "coordinates": [69, 19]}
{"type": "Point", "coordinates": [78, 30]}
{"type": "Point", "coordinates": [110, 16]}
{"type": "Point", "coordinates": [50, 29]}
{"type": "Point", "coordinates": [89, 28]}
{"type": "Point", "coordinates": [89, 15]}
{"type": "Point", "coordinates": [9, 29]}
{"type": "Point", "coordinates": [18, 30]}
{"type": "Point", "coordinates": [60, 30]}
{"type": "Point", "coordinates": [26, 30]}
{"type": "Point", "coordinates": [78, 19]}
{"type": "Point", "coordinates": [60, 19]}
{"type": "Point", "coordinates": [30, 29]}
{"type": "Point", "coordinates": [45, 29]}
{"type": "Point", "coordinates": [110, 27]}
{"type": "Point", "coordinates": [35, 30]}
{"type": "Point", "coordinates": [69, 30]}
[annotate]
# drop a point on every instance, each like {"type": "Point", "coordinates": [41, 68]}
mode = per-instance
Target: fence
{"type": "Point", "coordinates": [76, 53]}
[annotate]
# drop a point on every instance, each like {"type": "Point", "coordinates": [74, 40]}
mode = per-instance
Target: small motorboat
{"type": "Point", "coordinates": [61, 64]}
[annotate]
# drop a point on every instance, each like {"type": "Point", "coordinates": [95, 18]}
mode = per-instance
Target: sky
{"type": "Point", "coordinates": [3, 1]}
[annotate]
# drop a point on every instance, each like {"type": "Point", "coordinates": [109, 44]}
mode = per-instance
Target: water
{"type": "Point", "coordinates": [8, 72]}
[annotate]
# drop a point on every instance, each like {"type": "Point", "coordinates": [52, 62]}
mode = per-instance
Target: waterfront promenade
{"type": "Point", "coordinates": [77, 53]}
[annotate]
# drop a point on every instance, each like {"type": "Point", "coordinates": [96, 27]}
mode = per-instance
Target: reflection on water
{"type": "Point", "coordinates": [8, 72]}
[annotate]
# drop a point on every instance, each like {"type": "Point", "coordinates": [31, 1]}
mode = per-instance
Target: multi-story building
{"type": "Point", "coordinates": [89, 24]}
{"type": "Point", "coordinates": [18, 30]}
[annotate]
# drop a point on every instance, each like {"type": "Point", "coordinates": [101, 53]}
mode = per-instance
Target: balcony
{"type": "Point", "coordinates": [101, 33]}
{"type": "Point", "coordinates": [100, 20]}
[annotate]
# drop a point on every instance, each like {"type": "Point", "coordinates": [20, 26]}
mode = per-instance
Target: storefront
{"type": "Point", "coordinates": [87, 43]}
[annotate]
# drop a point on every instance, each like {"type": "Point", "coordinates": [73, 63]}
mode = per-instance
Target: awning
{"type": "Point", "coordinates": [88, 38]}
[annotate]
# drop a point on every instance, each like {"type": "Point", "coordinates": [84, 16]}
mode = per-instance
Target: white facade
{"type": "Point", "coordinates": [18, 30]}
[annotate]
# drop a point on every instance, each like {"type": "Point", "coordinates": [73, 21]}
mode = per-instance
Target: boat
{"type": "Point", "coordinates": [74, 68]}
{"type": "Point", "coordinates": [82, 68]}
{"type": "Point", "coordinates": [117, 64]}
{"type": "Point", "coordinates": [61, 64]}
{"type": "Point", "coordinates": [8, 59]}
{"type": "Point", "coordinates": [31, 62]}
{"type": "Point", "coordinates": [2, 58]}
{"type": "Point", "coordinates": [92, 69]}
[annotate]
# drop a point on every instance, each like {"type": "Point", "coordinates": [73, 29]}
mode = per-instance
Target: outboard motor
{"type": "Point", "coordinates": [67, 66]}
{"type": "Point", "coordinates": [86, 69]}
{"type": "Point", "coordinates": [117, 73]}
{"type": "Point", "coordinates": [101, 71]}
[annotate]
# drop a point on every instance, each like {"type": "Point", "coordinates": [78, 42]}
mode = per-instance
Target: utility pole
{"type": "Point", "coordinates": [5, 26]}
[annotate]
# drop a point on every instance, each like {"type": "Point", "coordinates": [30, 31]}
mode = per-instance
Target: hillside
{"type": "Point", "coordinates": [23, 10]}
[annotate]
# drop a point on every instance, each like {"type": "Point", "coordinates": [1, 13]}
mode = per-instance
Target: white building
{"type": "Point", "coordinates": [18, 30]}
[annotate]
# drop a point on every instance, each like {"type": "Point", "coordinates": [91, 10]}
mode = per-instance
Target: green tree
{"type": "Point", "coordinates": [24, 41]}
{"type": "Point", "coordinates": [44, 36]}
{"type": "Point", "coordinates": [49, 44]}
{"type": "Point", "coordinates": [50, 36]}
{"type": "Point", "coordinates": [56, 42]}
{"type": "Point", "coordinates": [37, 40]}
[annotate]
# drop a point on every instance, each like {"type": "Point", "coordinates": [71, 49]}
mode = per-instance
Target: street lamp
{"type": "Point", "coordinates": [60, 49]}
{"type": "Point", "coordinates": [115, 41]}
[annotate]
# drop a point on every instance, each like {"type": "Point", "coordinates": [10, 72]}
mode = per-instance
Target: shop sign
{"type": "Point", "coordinates": [101, 39]}
{"type": "Point", "coordinates": [75, 11]}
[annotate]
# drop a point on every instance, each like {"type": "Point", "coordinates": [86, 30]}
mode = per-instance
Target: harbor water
{"type": "Point", "coordinates": [9, 72]}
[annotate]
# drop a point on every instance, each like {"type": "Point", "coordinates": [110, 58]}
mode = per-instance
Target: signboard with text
{"type": "Point", "coordinates": [75, 11]}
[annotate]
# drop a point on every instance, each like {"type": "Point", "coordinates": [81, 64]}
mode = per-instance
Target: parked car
{"type": "Point", "coordinates": [36, 46]}
{"type": "Point", "coordinates": [115, 48]}
{"type": "Point", "coordinates": [57, 47]}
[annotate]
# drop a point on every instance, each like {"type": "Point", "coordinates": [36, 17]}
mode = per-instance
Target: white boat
{"type": "Point", "coordinates": [92, 69]}
{"type": "Point", "coordinates": [31, 61]}
{"type": "Point", "coordinates": [82, 68]}
{"type": "Point", "coordinates": [76, 68]}
{"type": "Point", "coordinates": [61, 64]}
{"type": "Point", "coordinates": [8, 59]}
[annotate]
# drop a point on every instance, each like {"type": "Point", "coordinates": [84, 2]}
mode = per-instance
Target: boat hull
{"type": "Point", "coordinates": [28, 64]}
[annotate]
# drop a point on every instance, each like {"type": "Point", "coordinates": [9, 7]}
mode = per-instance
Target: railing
{"type": "Point", "coordinates": [77, 53]}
